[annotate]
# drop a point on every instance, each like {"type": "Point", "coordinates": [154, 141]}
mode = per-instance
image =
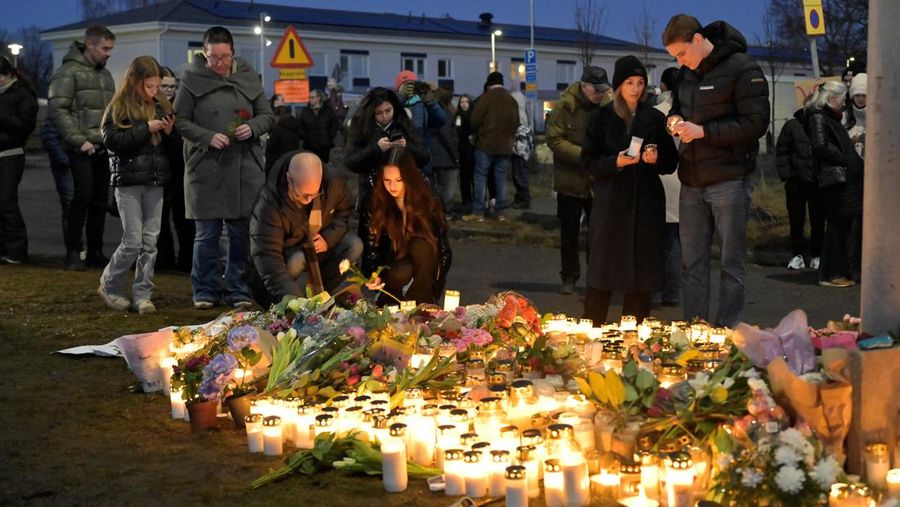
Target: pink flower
{"type": "Point", "coordinates": [352, 380]}
{"type": "Point", "coordinates": [377, 370]}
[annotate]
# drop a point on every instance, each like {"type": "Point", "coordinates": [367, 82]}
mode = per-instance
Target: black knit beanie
{"type": "Point", "coordinates": [626, 67]}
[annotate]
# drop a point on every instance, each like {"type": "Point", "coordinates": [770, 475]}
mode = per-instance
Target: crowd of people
{"type": "Point", "coordinates": [211, 177]}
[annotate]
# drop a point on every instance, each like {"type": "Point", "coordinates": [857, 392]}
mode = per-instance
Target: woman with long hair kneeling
{"type": "Point", "coordinates": [407, 232]}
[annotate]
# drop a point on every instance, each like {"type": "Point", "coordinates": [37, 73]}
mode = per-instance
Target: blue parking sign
{"type": "Point", "coordinates": [531, 73]}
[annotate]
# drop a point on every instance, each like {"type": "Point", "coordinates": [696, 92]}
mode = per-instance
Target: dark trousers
{"type": "Point", "coordinates": [520, 179]}
{"type": "Point", "coordinates": [671, 293]}
{"type": "Point", "coordinates": [596, 304]}
{"type": "Point", "coordinates": [569, 209]}
{"type": "Point", "coordinates": [419, 265]}
{"type": "Point", "coordinates": [13, 236]}
{"type": "Point", "coordinates": [801, 196]}
{"type": "Point", "coordinates": [841, 248]}
{"type": "Point", "coordinates": [175, 227]}
{"type": "Point", "coordinates": [467, 176]}
{"type": "Point", "coordinates": [90, 178]}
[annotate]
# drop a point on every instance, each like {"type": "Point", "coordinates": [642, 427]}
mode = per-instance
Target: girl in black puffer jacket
{"type": "Point", "coordinates": [833, 153]}
{"type": "Point", "coordinates": [135, 125]}
{"type": "Point", "coordinates": [18, 114]}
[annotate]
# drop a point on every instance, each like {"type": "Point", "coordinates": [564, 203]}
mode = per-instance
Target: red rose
{"type": "Point", "coordinates": [244, 114]}
{"type": "Point", "coordinates": [353, 380]}
{"type": "Point", "coordinates": [377, 370]}
{"type": "Point", "coordinates": [507, 315]}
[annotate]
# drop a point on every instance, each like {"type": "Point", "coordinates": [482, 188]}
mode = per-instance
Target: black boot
{"type": "Point", "coordinates": [73, 261]}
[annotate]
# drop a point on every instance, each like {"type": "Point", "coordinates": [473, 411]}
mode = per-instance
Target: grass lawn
{"type": "Point", "coordinates": [74, 433]}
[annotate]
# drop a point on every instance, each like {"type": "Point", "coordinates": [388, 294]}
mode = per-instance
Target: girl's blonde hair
{"type": "Point", "coordinates": [128, 104]}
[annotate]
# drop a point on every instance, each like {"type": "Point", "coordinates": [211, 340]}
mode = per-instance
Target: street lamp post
{"type": "Point", "coordinates": [260, 30]}
{"type": "Point", "coordinates": [15, 49]}
{"type": "Point", "coordinates": [494, 35]}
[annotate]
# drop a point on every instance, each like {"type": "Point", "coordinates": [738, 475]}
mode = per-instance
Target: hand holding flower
{"type": "Point", "coordinates": [243, 132]}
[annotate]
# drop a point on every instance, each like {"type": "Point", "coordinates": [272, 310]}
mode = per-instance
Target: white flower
{"type": "Point", "coordinates": [750, 373]}
{"type": "Point", "coordinates": [795, 439]}
{"type": "Point", "coordinates": [728, 382]}
{"type": "Point", "coordinates": [751, 478]}
{"type": "Point", "coordinates": [785, 455]}
{"type": "Point", "coordinates": [700, 383]}
{"type": "Point", "coordinates": [757, 384]}
{"type": "Point", "coordinates": [725, 460]}
{"type": "Point", "coordinates": [825, 472]}
{"type": "Point", "coordinates": [790, 479]}
{"type": "Point", "coordinates": [344, 266]}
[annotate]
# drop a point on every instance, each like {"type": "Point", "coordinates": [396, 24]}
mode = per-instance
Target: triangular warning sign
{"type": "Point", "coordinates": [291, 53]}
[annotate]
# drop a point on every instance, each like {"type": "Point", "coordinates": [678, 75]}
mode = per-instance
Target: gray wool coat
{"type": "Point", "coordinates": [221, 184]}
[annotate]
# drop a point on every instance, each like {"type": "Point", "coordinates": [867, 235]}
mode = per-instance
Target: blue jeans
{"type": "Point", "coordinates": [484, 162]}
{"type": "Point", "coordinates": [65, 188]}
{"type": "Point", "coordinates": [206, 270]}
{"type": "Point", "coordinates": [140, 209]}
{"type": "Point", "coordinates": [722, 208]}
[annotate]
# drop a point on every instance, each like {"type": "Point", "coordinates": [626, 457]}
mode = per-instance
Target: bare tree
{"type": "Point", "coordinates": [590, 19]}
{"type": "Point", "coordinates": [36, 58]}
{"type": "Point", "coordinates": [774, 65]}
{"type": "Point", "coordinates": [645, 33]}
{"type": "Point", "coordinates": [846, 30]}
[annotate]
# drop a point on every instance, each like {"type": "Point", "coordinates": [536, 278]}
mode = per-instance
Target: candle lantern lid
{"type": "Point", "coordinates": [449, 394]}
{"type": "Point", "coordinates": [515, 472]}
{"type": "Point", "coordinates": [446, 429]}
{"type": "Point", "coordinates": [613, 335]}
{"type": "Point", "coordinates": [646, 458]}
{"type": "Point", "coordinates": [398, 430]}
{"type": "Point", "coordinates": [552, 465]}
{"type": "Point", "coordinates": [324, 420]}
{"type": "Point", "coordinates": [451, 292]}
{"type": "Point", "coordinates": [500, 456]}
{"type": "Point", "coordinates": [522, 383]}
{"type": "Point", "coordinates": [533, 435]}
{"type": "Point", "coordinates": [504, 365]}
{"type": "Point", "coordinates": [630, 467]}
{"type": "Point", "coordinates": [380, 421]}
{"type": "Point", "coordinates": [861, 490]}
{"type": "Point", "coordinates": [497, 384]}
{"type": "Point", "coordinates": [330, 410]}
{"type": "Point", "coordinates": [525, 452]}
{"type": "Point", "coordinates": [447, 407]}
{"type": "Point", "coordinates": [459, 415]}
{"type": "Point", "coordinates": [877, 448]}
{"type": "Point", "coordinates": [540, 420]}
{"type": "Point", "coordinates": [362, 399]}
{"type": "Point", "coordinates": [471, 456]}
{"type": "Point", "coordinates": [475, 364]}
{"type": "Point", "coordinates": [467, 439]}
{"type": "Point", "coordinates": [401, 411]}
{"type": "Point", "coordinates": [489, 403]}
{"type": "Point", "coordinates": [481, 446]}
{"type": "Point", "coordinates": [371, 413]}
{"type": "Point", "coordinates": [355, 412]}
{"type": "Point", "coordinates": [429, 410]}
{"type": "Point", "coordinates": [453, 455]}
{"type": "Point", "coordinates": [380, 404]}
{"type": "Point", "coordinates": [340, 401]}
{"type": "Point", "coordinates": [671, 369]}
{"type": "Point", "coordinates": [272, 420]}
{"type": "Point", "coordinates": [252, 418]}
{"type": "Point", "coordinates": [306, 409]}
{"type": "Point", "coordinates": [560, 431]}
{"type": "Point", "coordinates": [679, 460]}
{"type": "Point", "coordinates": [509, 431]}
{"type": "Point", "coordinates": [412, 393]}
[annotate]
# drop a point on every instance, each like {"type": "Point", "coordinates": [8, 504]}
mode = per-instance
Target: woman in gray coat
{"type": "Point", "coordinates": [222, 112]}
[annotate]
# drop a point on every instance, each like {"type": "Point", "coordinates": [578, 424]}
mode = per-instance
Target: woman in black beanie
{"type": "Point", "coordinates": [628, 213]}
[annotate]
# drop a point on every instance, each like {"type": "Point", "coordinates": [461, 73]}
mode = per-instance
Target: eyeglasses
{"type": "Point", "coordinates": [215, 60]}
{"type": "Point", "coordinates": [168, 87]}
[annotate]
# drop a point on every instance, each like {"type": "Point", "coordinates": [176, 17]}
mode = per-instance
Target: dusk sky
{"type": "Point", "coordinates": [745, 15]}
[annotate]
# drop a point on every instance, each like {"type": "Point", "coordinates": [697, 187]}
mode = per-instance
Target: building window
{"type": "Point", "coordinates": [445, 69]}
{"type": "Point", "coordinates": [517, 69]}
{"type": "Point", "coordinates": [320, 64]}
{"type": "Point", "coordinates": [354, 69]}
{"type": "Point", "coordinates": [251, 56]}
{"type": "Point", "coordinates": [414, 62]}
{"type": "Point", "coordinates": [565, 72]}
{"type": "Point", "coordinates": [193, 52]}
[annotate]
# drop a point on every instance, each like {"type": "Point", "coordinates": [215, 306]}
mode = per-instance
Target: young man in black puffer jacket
{"type": "Point", "coordinates": [720, 110]}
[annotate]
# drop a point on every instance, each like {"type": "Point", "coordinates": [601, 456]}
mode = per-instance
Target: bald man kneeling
{"type": "Point", "coordinates": [300, 202]}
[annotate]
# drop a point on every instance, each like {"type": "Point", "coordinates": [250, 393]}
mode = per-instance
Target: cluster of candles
{"type": "Point", "coordinates": [878, 474]}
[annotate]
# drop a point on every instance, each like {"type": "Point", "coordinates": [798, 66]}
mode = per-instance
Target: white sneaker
{"type": "Point", "coordinates": [144, 307]}
{"type": "Point", "coordinates": [796, 263]}
{"type": "Point", "coordinates": [117, 303]}
{"type": "Point", "coordinates": [814, 263]}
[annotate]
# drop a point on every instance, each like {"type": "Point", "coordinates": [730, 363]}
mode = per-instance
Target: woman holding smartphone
{"type": "Point", "coordinates": [135, 126]}
{"type": "Point", "coordinates": [408, 231]}
{"type": "Point", "coordinates": [379, 125]}
{"type": "Point", "coordinates": [625, 149]}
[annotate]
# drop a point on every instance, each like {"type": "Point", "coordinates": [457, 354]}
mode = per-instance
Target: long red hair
{"type": "Point", "coordinates": [423, 209]}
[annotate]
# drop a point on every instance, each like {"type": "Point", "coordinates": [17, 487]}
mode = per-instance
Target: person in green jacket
{"type": "Point", "coordinates": [565, 135]}
{"type": "Point", "coordinates": [79, 92]}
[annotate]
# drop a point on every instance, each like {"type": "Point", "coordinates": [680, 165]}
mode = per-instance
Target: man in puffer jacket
{"type": "Point", "coordinates": [720, 110]}
{"type": "Point", "coordinates": [79, 92]}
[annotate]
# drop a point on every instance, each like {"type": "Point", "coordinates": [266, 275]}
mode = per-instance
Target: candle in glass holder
{"type": "Point", "coordinates": [679, 480]}
{"type": "Point", "coordinates": [630, 474]}
{"type": "Point", "coordinates": [699, 332]}
{"type": "Point", "coordinates": [877, 464]}
{"type": "Point", "coordinates": [454, 472]}
{"type": "Point", "coordinates": [178, 409]}
{"type": "Point", "coordinates": [499, 460]}
{"type": "Point", "coordinates": [576, 484]}
{"type": "Point", "coordinates": [650, 474]}
{"type": "Point", "coordinates": [166, 368]}
{"type": "Point", "coordinates": [447, 438]}
{"type": "Point", "coordinates": [324, 424]}
{"type": "Point", "coordinates": [554, 495]}
{"type": "Point", "coordinates": [393, 468]}
{"type": "Point", "coordinates": [670, 374]}
{"type": "Point", "coordinates": [476, 475]}
{"type": "Point", "coordinates": [628, 323]}
{"type": "Point", "coordinates": [605, 487]}
{"type": "Point", "coordinates": [273, 440]}
{"type": "Point", "coordinates": [639, 500]}
{"type": "Point", "coordinates": [526, 456]}
{"type": "Point", "coordinates": [717, 335]}
{"type": "Point", "coordinates": [303, 431]}
{"type": "Point", "coordinates": [451, 300]}
{"type": "Point", "coordinates": [893, 483]}
{"type": "Point", "coordinates": [516, 486]}
{"type": "Point", "coordinates": [422, 436]}
{"type": "Point", "coordinates": [253, 424]}
{"type": "Point", "coordinates": [407, 306]}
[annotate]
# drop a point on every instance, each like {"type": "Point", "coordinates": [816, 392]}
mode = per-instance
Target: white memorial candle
{"type": "Point", "coordinates": [679, 481]}
{"type": "Point", "coordinates": [525, 456]}
{"type": "Point", "coordinates": [516, 486]}
{"type": "Point", "coordinates": [640, 500]}
{"type": "Point", "coordinates": [304, 436]}
{"type": "Point", "coordinates": [576, 485]}
{"type": "Point", "coordinates": [499, 463]}
{"type": "Point", "coordinates": [454, 480]}
{"type": "Point", "coordinates": [451, 300]}
{"type": "Point", "coordinates": [273, 440]}
{"type": "Point", "coordinates": [650, 474]}
{"type": "Point", "coordinates": [178, 410]}
{"type": "Point", "coordinates": [605, 487]}
{"type": "Point", "coordinates": [553, 484]}
{"type": "Point", "coordinates": [877, 464]}
{"type": "Point", "coordinates": [476, 475]}
{"type": "Point", "coordinates": [253, 424]}
{"type": "Point", "coordinates": [166, 368]}
{"type": "Point", "coordinates": [893, 483]}
{"type": "Point", "coordinates": [393, 468]}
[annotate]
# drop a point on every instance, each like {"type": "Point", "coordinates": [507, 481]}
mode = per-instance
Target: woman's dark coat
{"type": "Point", "coordinates": [629, 211]}
{"type": "Point", "coordinates": [831, 146]}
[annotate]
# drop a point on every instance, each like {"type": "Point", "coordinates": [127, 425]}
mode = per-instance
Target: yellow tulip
{"type": "Point", "coordinates": [719, 394]}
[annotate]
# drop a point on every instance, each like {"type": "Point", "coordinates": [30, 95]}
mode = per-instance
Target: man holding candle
{"type": "Point", "coordinates": [720, 109]}
{"type": "Point", "coordinates": [300, 203]}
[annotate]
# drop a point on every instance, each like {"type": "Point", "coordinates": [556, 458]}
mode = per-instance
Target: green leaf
{"type": "Point", "coordinates": [645, 379]}
{"type": "Point", "coordinates": [630, 369]}
{"type": "Point", "coordinates": [631, 393]}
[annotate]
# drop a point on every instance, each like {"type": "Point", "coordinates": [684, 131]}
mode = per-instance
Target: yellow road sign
{"type": "Point", "coordinates": [291, 53]}
{"type": "Point", "coordinates": [814, 17]}
{"type": "Point", "coordinates": [292, 73]}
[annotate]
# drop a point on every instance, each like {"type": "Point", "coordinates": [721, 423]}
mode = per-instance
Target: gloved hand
{"type": "Point", "coordinates": [407, 89]}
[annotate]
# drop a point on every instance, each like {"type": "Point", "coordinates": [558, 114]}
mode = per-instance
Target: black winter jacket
{"type": "Point", "coordinates": [444, 146]}
{"type": "Point", "coordinates": [793, 152]}
{"type": "Point", "coordinates": [284, 138]}
{"type": "Point", "coordinates": [18, 115]}
{"type": "Point", "coordinates": [317, 130]}
{"type": "Point", "coordinates": [364, 158]}
{"type": "Point", "coordinates": [133, 158]}
{"type": "Point", "coordinates": [831, 146]}
{"type": "Point", "coordinates": [729, 97]}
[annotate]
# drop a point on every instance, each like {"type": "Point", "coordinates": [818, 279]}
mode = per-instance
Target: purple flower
{"type": "Point", "coordinates": [196, 363]}
{"type": "Point", "coordinates": [358, 333]}
{"type": "Point", "coordinates": [223, 364]}
{"type": "Point", "coordinates": [242, 336]}
{"type": "Point", "coordinates": [210, 390]}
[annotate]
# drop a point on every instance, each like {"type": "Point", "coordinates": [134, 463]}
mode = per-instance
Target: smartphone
{"type": "Point", "coordinates": [396, 136]}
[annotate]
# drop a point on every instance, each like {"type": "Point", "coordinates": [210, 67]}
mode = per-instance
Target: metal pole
{"type": "Point", "coordinates": [262, 49]}
{"type": "Point", "coordinates": [815, 57]}
{"type": "Point", "coordinates": [532, 24]}
{"type": "Point", "coordinates": [880, 290]}
{"type": "Point", "coordinates": [532, 103]}
{"type": "Point", "coordinates": [493, 53]}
